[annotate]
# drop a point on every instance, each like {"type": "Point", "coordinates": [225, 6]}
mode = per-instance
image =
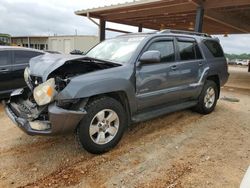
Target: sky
{"type": "Point", "coordinates": [49, 17]}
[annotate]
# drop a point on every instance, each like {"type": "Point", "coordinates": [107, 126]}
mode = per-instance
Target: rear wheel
{"type": "Point", "coordinates": [103, 126]}
{"type": "Point", "coordinates": [208, 98]}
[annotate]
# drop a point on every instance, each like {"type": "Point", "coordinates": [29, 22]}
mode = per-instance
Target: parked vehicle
{"type": "Point", "coordinates": [76, 52]}
{"type": "Point", "coordinates": [243, 62]}
{"type": "Point", "coordinates": [231, 62]}
{"type": "Point", "coordinates": [13, 61]}
{"type": "Point", "coordinates": [128, 79]}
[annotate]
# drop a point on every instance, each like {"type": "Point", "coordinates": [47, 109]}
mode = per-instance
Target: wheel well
{"type": "Point", "coordinates": [215, 79]}
{"type": "Point", "coordinates": [119, 96]}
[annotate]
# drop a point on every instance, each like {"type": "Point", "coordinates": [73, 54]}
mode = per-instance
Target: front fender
{"type": "Point", "coordinates": [88, 85]}
{"type": "Point", "coordinates": [76, 89]}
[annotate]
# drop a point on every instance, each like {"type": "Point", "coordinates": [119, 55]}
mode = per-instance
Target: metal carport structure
{"type": "Point", "coordinates": [210, 16]}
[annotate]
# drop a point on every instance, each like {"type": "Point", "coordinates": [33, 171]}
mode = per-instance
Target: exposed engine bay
{"type": "Point", "coordinates": [67, 70]}
{"type": "Point", "coordinates": [31, 107]}
{"type": "Point", "coordinates": [78, 67]}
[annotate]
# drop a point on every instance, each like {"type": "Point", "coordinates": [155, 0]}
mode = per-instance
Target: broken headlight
{"type": "Point", "coordinates": [26, 75]}
{"type": "Point", "coordinates": [45, 92]}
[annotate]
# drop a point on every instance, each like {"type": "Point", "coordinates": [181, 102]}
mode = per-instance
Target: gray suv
{"type": "Point", "coordinates": [127, 79]}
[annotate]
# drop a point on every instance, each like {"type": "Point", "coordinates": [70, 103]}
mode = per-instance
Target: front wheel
{"type": "Point", "coordinates": [103, 126]}
{"type": "Point", "coordinates": [208, 98]}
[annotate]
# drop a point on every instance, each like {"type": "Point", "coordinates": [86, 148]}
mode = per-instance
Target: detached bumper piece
{"type": "Point", "coordinates": [59, 120]}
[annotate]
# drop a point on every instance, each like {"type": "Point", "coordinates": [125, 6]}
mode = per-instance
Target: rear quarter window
{"type": "Point", "coordinates": [214, 47]}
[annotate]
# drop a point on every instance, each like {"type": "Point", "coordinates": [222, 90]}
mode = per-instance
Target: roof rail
{"type": "Point", "coordinates": [185, 32]}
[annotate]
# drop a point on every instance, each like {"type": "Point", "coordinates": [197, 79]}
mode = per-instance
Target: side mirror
{"type": "Point", "coordinates": [150, 57]}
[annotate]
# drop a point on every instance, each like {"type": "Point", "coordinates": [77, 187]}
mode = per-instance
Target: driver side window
{"type": "Point", "coordinates": [166, 48]}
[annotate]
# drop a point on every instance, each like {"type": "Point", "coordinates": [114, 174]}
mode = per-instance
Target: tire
{"type": "Point", "coordinates": [204, 106]}
{"type": "Point", "coordinates": [95, 133]}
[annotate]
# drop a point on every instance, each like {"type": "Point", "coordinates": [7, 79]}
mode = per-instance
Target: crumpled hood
{"type": "Point", "coordinates": [43, 65]}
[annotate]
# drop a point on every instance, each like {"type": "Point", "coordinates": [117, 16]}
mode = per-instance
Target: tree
{"type": "Point", "coordinates": [237, 56]}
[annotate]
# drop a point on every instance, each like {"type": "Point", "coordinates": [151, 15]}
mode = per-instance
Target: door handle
{"type": "Point", "coordinates": [200, 63]}
{"type": "Point", "coordinates": [4, 70]}
{"type": "Point", "coordinates": [174, 67]}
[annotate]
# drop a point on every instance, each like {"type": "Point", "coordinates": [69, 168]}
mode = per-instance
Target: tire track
{"type": "Point", "coordinates": [33, 147]}
{"type": "Point", "coordinates": [170, 178]}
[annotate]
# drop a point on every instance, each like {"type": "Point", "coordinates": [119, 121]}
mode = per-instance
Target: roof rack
{"type": "Point", "coordinates": [185, 32]}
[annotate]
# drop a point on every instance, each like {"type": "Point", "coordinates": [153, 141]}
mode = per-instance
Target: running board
{"type": "Point", "coordinates": [161, 111]}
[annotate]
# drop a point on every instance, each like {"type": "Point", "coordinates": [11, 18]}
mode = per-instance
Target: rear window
{"type": "Point", "coordinates": [23, 57]}
{"type": "Point", "coordinates": [189, 50]}
{"type": "Point", "coordinates": [214, 47]}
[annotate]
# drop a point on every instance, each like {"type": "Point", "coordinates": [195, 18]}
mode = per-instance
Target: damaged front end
{"type": "Point", "coordinates": [40, 120]}
{"type": "Point", "coordinates": [35, 108]}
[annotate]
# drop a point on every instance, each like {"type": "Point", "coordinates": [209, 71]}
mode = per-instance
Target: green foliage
{"type": "Point", "coordinates": [4, 35]}
{"type": "Point", "coordinates": [3, 43]}
{"type": "Point", "coordinates": [240, 56]}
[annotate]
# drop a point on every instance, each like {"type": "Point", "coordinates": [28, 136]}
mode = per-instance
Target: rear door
{"type": "Point", "coordinates": [21, 60]}
{"type": "Point", "coordinates": [5, 71]}
{"type": "Point", "coordinates": [190, 68]}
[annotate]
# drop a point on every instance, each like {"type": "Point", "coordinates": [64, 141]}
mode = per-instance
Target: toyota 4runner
{"type": "Point", "coordinates": [127, 79]}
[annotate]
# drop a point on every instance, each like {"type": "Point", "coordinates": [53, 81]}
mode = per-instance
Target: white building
{"type": "Point", "coordinates": [66, 44]}
{"type": "Point", "coordinates": [36, 42]}
{"type": "Point", "coordinates": [62, 44]}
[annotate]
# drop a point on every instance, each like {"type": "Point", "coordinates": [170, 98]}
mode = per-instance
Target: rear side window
{"type": "Point", "coordinates": [4, 58]}
{"type": "Point", "coordinates": [166, 48]}
{"type": "Point", "coordinates": [23, 57]}
{"type": "Point", "coordinates": [189, 50]}
{"type": "Point", "coordinates": [214, 47]}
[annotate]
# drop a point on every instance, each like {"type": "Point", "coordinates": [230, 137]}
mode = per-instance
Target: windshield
{"type": "Point", "coordinates": [118, 50]}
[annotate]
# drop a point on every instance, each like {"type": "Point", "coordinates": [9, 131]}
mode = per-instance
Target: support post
{"type": "Point", "coordinates": [140, 28]}
{"type": "Point", "coordinates": [199, 18]}
{"type": "Point", "coordinates": [28, 42]}
{"type": "Point", "coordinates": [102, 30]}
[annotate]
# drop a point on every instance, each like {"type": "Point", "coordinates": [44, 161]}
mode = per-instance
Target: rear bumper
{"type": "Point", "coordinates": [60, 120]}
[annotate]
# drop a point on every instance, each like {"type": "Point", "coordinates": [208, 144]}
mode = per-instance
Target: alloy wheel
{"type": "Point", "coordinates": [104, 126]}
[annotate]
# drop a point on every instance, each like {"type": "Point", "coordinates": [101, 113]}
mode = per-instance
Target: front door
{"type": "Point", "coordinates": [154, 82]}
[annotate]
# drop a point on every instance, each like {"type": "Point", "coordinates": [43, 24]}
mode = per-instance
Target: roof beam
{"type": "Point", "coordinates": [169, 17]}
{"type": "Point", "coordinates": [142, 5]}
{"type": "Point", "coordinates": [228, 20]}
{"type": "Point", "coordinates": [120, 6]}
{"type": "Point", "coordinates": [168, 9]}
{"type": "Point", "coordinates": [210, 4]}
{"type": "Point", "coordinates": [226, 16]}
{"type": "Point", "coordinates": [117, 30]}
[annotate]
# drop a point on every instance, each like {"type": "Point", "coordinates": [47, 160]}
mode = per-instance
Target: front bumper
{"type": "Point", "coordinates": [59, 120]}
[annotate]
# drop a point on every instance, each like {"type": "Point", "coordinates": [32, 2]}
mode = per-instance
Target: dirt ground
{"type": "Point", "coordinates": [182, 149]}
